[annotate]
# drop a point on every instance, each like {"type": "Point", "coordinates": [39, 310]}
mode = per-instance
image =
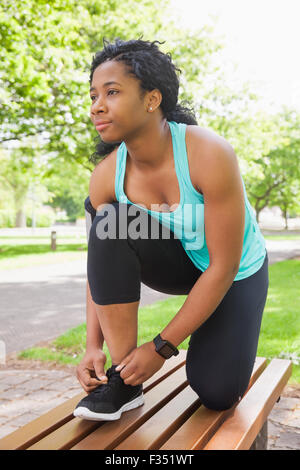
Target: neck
{"type": "Point", "coordinates": [149, 150]}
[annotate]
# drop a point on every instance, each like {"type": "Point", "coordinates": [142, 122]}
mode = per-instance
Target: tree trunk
{"type": "Point", "coordinates": [20, 195]}
{"type": "Point", "coordinates": [20, 218]}
{"type": "Point", "coordinates": [285, 216]}
{"type": "Point", "coordinates": [258, 211]}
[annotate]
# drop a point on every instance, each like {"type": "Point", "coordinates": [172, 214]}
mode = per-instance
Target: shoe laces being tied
{"type": "Point", "coordinates": [113, 377]}
{"type": "Point", "coordinates": [111, 372]}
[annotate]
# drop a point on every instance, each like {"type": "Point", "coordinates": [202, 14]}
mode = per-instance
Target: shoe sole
{"type": "Point", "coordinates": [85, 413]}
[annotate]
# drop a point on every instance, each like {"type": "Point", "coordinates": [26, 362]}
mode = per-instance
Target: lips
{"type": "Point", "coordinates": [100, 125]}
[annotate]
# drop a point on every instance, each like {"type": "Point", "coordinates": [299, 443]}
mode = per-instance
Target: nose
{"type": "Point", "coordinates": [98, 106]}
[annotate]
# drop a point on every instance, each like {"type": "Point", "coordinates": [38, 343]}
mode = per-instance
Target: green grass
{"type": "Point", "coordinates": [19, 252]}
{"type": "Point", "coordinates": [69, 348]}
{"type": "Point", "coordinates": [280, 331]}
{"type": "Point", "coordinates": [282, 237]}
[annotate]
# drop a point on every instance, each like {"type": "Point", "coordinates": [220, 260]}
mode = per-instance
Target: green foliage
{"type": "Point", "coordinates": [275, 176]}
{"type": "Point", "coordinates": [46, 49]}
{"type": "Point", "coordinates": [68, 187]}
{"type": "Point", "coordinates": [42, 220]}
{"type": "Point", "coordinates": [6, 219]}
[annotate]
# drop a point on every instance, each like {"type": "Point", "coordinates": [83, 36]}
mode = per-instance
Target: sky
{"type": "Point", "coordinates": [262, 37]}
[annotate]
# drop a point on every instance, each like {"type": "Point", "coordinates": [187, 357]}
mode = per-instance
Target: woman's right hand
{"type": "Point", "coordinates": [90, 371]}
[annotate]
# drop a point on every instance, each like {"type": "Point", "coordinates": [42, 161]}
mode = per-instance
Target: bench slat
{"type": "Point", "coordinates": [201, 426]}
{"type": "Point", "coordinates": [40, 427]}
{"type": "Point", "coordinates": [76, 430]}
{"type": "Point", "coordinates": [156, 430]}
{"type": "Point", "coordinates": [172, 417]}
{"type": "Point", "coordinates": [112, 433]}
{"type": "Point", "coordinates": [240, 430]}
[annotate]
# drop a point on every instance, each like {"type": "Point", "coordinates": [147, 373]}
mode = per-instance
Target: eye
{"type": "Point", "coordinates": [112, 92]}
{"type": "Point", "coordinates": [93, 97]}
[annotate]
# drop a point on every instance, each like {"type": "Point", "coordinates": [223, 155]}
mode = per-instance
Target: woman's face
{"type": "Point", "coordinates": [118, 109]}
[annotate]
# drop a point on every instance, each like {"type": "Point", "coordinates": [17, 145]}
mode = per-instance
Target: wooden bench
{"type": "Point", "coordinates": [172, 417]}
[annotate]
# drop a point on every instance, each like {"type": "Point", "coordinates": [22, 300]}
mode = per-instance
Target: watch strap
{"type": "Point", "coordinates": [164, 347]}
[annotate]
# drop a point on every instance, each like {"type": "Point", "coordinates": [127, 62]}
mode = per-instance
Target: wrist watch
{"type": "Point", "coordinates": [164, 347]}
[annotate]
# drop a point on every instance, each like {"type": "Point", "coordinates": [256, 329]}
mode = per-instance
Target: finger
{"type": "Point", "coordinates": [133, 379]}
{"type": "Point", "coordinates": [89, 381]}
{"type": "Point", "coordinates": [124, 362]}
{"type": "Point", "coordinates": [121, 366]}
{"type": "Point", "coordinates": [128, 371]}
{"type": "Point", "coordinates": [86, 388]}
{"type": "Point", "coordinates": [80, 378]}
{"type": "Point", "coordinates": [100, 375]}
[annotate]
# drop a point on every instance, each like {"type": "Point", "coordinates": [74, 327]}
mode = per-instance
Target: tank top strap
{"type": "Point", "coordinates": [180, 155]}
{"type": "Point", "coordinates": [120, 173]}
{"type": "Point", "coordinates": [181, 159]}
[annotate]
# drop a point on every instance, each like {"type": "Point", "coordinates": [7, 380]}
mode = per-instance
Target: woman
{"type": "Point", "coordinates": [172, 212]}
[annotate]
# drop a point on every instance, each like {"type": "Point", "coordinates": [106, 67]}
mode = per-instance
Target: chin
{"type": "Point", "coordinates": [111, 141]}
{"type": "Point", "coordinates": [110, 137]}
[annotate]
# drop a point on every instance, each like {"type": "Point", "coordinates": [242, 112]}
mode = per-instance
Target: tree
{"type": "Point", "coordinates": [21, 167]}
{"type": "Point", "coordinates": [68, 187]}
{"type": "Point", "coordinates": [288, 199]}
{"type": "Point", "coordinates": [46, 48]}
{"type": "Point", "coordinates": [276, 172]}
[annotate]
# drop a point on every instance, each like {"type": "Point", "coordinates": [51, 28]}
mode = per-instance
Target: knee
{"type": "Point", "coordinates": [217, 402]}
{"type": "Point", "coordinates": [215, 394]}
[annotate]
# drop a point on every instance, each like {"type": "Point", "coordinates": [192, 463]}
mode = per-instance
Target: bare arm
{"type": "Point", "coordinates": [92, 365]}
{"type": "Point", "coordinates": [91, 368]}
{"type": "Point", "coordinates": [101, 191]}
{"type": "Point", "coordinates": [224, 231]}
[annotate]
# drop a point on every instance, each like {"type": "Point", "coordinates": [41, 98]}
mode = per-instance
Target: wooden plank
{"type": "Point", "coordinates": [201, 426]}
{"type": "Point", "coordinates": [108, 434]}
{"type": "Point", "coordinates": [157, 429]}
{"type": "Point", "coordinates": [240, 430]}
{"type": "Point", "coordinates": [40, 427]}
{"type": "Point", "coordinates": [112, 433]}
{"type": "Point", "coordinates": [74, 430]}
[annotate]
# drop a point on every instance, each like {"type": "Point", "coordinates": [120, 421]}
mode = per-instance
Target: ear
{"type": "Point", "coordinates": [153, 100]}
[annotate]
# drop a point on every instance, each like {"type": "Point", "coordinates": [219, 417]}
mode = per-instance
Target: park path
{"type": "Point", "coordinates": [42, 302]}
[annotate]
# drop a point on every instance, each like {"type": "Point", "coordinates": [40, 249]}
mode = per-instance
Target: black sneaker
{"type": "Point", "coordinates": [108, 401]}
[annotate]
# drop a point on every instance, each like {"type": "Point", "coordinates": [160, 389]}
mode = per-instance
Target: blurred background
{"type": "Point", "coordinates": [239, 69]}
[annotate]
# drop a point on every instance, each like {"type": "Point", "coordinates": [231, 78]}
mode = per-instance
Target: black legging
{"type": "Point", "coordinates": [222, 351]}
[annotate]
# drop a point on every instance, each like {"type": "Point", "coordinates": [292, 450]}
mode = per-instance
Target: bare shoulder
{"type": "Point", "coordinates": [102, 181]}
{"type": "Point", "coordinates": [205, 143]}
{"type": "Point", "coordinates": [211, 157]}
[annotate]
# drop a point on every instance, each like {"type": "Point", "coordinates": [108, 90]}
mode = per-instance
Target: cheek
{"type": "Point", "coordinates": [91, 112]}
{"type": "Point", "coordinates": [133, 102]}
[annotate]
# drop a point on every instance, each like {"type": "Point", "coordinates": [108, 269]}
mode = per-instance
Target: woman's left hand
{"type": "Point", "coordinates": [140, 364]}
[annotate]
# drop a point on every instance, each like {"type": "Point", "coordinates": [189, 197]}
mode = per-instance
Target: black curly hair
{"type": "Point", "coordinates": [154, 70]}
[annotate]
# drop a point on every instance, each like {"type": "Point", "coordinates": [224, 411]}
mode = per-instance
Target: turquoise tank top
{"type": "Point", "coordinates": [187, 221]}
